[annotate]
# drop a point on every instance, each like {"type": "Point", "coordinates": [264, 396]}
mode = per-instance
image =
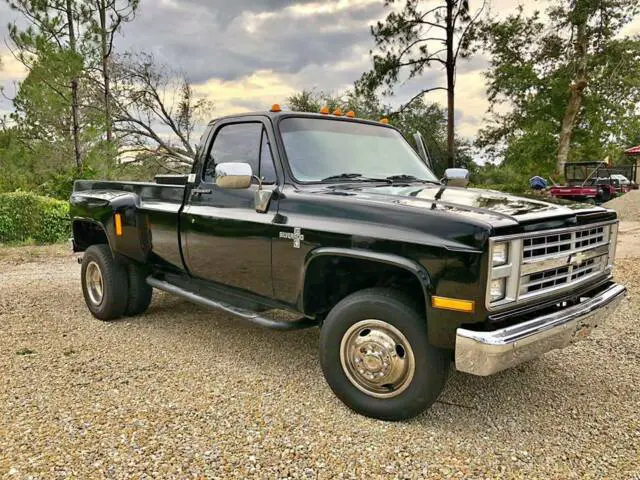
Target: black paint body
{"type": "Point", "coordinates": [437, 234]}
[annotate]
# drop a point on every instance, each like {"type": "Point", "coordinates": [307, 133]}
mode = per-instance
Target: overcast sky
{"type": "Point", "coordinates": [248, 54]}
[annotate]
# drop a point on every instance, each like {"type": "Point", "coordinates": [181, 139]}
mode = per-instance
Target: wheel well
{"type": "Point", "coordinates": [87, 233]}
{"type": "Point", "coordinates": [329, 279]}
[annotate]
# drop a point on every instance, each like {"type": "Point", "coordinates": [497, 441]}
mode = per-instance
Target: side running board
{"type": "Point", "coordinates": [249, 315]}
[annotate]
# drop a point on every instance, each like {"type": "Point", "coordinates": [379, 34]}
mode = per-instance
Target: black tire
{"type": "Point", "coordinates": [140, 291]}
{"type": "Point", "coordinates": [431, 363]}
{"type": "Point", "coordinates": [605, 196]}
{"type": "Point", "coordinates": [114, 283]}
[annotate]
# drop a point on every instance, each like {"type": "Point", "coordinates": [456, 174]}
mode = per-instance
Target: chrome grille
{"type": "Point", "coordinates": [556, 243]}
{"type": "Point", "coordinates": [545, 280]}
{"type": "Point", "coordinates": [552, 261]}
{"type": "Point", "coordinates": [562, 259]}
{"type": "Point", "coordinates": [590, 237]}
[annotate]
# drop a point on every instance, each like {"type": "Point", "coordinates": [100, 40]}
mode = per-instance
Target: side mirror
{"type": "Point", "coordinates": [456, 177]}
{"type": "Point", "coordinates": [233, 175]}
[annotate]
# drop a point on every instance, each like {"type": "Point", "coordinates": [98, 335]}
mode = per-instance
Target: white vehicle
{"type": "Point", "coordinates": [614, 177]}
{"type": "Point", "coordinates": [620, 178]}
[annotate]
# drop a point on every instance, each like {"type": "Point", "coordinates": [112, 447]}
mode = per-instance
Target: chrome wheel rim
{"type": "Point", "coordinates": [377, 358]}
{"type": "Point", "coordinates": [94, 284]}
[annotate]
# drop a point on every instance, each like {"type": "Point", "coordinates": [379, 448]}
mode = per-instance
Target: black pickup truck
{"type": "Point", "coordinates": [292, 220]}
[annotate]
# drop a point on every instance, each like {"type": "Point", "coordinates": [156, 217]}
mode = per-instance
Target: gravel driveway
{"type": "Point", "coordinates": [184, 392]}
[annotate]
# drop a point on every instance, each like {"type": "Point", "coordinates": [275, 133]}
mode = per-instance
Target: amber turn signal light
{"type": "Point", "coordinates": [454, 304]}
{"type": "Point", "coordinates": [118, 222]}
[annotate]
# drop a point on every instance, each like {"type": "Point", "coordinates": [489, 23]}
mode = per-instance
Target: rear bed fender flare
{"type": "Point", "coordinates": [77, 247]}
{"type": "Point", "coordinates": [99, 208]}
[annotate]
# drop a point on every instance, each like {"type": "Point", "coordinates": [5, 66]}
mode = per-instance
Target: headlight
{"type": "Point", "coordinates": [497, 289]}
{"type": "Point", "coordinates": [504, 270]}
{"type": "Point", "coordinates": [499, 254]}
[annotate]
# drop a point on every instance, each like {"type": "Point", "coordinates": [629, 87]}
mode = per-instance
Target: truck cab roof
{"type": "Point", "coordinates": [290, 113]}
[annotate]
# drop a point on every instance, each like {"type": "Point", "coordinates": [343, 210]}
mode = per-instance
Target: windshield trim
{"type": "Point", "coordinates": [334, 118]}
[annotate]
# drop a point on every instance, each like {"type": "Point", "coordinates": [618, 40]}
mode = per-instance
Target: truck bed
{"type": "Point", "coordinates": [160, 202]}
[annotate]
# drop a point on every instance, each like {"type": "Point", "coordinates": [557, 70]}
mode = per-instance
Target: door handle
{"type": "Point", "coordinates": [200, 191]}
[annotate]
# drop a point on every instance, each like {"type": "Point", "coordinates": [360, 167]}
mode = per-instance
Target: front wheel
{"type": "Point", "coordinates": [376, 357]}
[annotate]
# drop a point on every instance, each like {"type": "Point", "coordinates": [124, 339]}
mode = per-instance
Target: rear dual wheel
{"type": "Point", "coordinates": [376, 357]}
{"type": "Point", "coordinates": [140, 292]}
{"type": "Point", "coordinates": [112, 290]}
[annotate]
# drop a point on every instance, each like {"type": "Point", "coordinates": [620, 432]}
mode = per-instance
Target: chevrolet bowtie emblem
{"type": "Point", "coordinates": [577, 258]}
{"type": "Point", "coordinates": [296, 236]}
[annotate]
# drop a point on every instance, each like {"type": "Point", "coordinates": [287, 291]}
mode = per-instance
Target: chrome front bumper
{"type": "Point", "coordinates": [485, 353]}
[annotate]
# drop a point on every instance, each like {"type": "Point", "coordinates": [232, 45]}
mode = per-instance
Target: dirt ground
{"type": "Point", "coordinates": [185, 392]}
{"type": "Point", "coordinates": [628, 239]}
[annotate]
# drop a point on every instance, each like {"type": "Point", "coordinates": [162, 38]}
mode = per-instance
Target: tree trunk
{"type": "Point", "coordinates": [450, 117]}
{"type": "Point", "coordinates": [102, 10]}
{"type": "Point", "coordinates": [74, 91]}
{"type": "Point", "coordinates": [575, 98]}
{"type": "Point", "coordinates": [76, 127]}
{"type": "Point", "coordinates": [451, 71]}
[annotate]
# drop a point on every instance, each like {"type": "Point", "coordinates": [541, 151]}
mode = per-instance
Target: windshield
{"type": "Point", "coordinates": [318, 149]}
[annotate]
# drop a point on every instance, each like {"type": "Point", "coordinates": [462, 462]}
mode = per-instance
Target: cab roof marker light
{"type": "Point", "coordinates": [324, 110]}
{"type": "Point", "coordinates": [350, 114]}
{"type": "Point", "coordinates": [384, 120]}
{"type": "Point", "coordinates": [337, 112]}
{"type": "Point", "coordinates": [275, 108]}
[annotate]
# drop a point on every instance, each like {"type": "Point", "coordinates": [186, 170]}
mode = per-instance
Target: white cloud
{"type": "Point", "coordinates": [327, 7]}
{"type": "Point", "coordinates": [11, 72]}
{"type": "Point", "coordinates": [257, 91]}
{"type": "Point", "coordinates": [633, 28]}
{"type": "Point", "coordinates": [10, 68]}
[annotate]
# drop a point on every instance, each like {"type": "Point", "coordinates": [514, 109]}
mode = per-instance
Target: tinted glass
{"type": "Point", "coordinates": [319, 148]}
{"type": "Point", "coordinates": [267, 167]}
{"type": "Point", "coordinates": [239, 142]}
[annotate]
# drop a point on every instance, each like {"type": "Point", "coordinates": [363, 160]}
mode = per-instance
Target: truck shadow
{"type": "Point", "coordinates": [507, 400]}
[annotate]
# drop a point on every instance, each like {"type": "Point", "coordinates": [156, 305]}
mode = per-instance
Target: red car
{"type": "Point", "coordinates": [588, 182]}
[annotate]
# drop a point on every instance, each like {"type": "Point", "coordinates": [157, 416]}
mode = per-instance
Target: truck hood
{"type": "Point", "coordinates": [493, 207]}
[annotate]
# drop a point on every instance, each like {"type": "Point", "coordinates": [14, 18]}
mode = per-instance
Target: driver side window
{"type": "Point", "coordinates": [237, 142]}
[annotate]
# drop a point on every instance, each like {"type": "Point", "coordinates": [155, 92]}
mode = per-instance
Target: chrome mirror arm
{"type": "Point", "coordinates": [259, 179]}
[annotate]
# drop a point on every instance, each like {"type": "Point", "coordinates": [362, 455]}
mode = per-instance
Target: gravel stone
{"type": "Point", "coordinates": [185, 392]}
{"type": "Point", "coordinates": [627, 206]}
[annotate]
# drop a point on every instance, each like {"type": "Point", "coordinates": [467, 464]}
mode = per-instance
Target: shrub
{"type": "Point", "coordinates": [503, 178]}
{"type": "Point", "coordinates": [26, 216]}
{"type": "Point", "coordinates": [59, 184]}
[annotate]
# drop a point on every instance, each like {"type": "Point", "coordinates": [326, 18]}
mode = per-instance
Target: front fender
{"type": "Point", "coordinates": [406, 264]}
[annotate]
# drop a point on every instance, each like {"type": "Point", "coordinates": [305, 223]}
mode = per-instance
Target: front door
{"type": "Point", "coordinates": [224, 239]}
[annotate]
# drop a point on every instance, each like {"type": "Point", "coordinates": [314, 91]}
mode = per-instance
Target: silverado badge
{"type": "Point", "coordinates": [296, 236]}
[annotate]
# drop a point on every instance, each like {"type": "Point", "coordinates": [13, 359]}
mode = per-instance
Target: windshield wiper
{"type": "Point", "coordinates": [409, 178]}
{"type": "Point", "coordinates": [356, 176]}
